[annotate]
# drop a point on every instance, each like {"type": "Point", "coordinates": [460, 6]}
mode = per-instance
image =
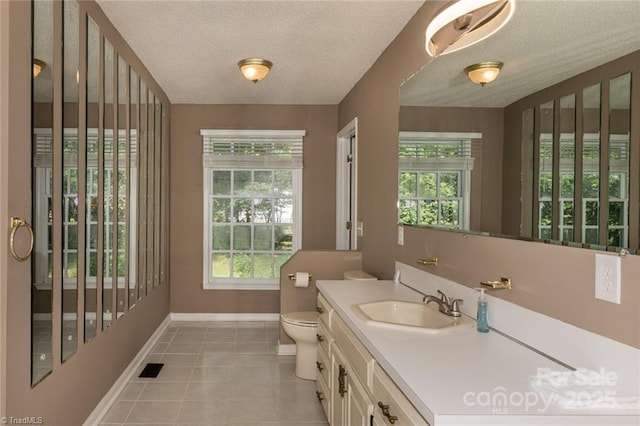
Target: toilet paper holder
{"type": "Point", "coordinates": [292, 277]}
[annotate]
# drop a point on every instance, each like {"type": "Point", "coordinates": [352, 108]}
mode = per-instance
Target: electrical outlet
{"type": "Point", "coordinates": [608, 278]}
{"type": "Point", "coordinates": [400, 235]}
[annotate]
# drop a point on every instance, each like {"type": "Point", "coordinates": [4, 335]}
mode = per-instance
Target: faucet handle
{"type": "Point", "coordinates": [455, 307]}
{"type": "Point", "coordinates": [443, 297]}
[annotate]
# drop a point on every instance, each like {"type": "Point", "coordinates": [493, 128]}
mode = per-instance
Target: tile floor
{"type": "Point", "coordinates": [219, 373]}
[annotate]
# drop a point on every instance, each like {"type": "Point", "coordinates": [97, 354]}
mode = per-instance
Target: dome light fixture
{"type": "Point", "coordinates": [254, 69]}
{"type": "Point", "coordinates": [484, 72]}
{"type": "Point", "coordinates": [38, 66]}
{"type": "Point", "coordinates": [466, 22]}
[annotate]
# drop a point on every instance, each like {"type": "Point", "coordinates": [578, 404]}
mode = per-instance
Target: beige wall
{"type": "Point", "coordinates": [318, 209]}
{"type": "Point", "coordinates": [567, 290]}
{"type": "Point", "coordinates": [74, 388]}
{"type": "Point", "coordinates": [486, 177]}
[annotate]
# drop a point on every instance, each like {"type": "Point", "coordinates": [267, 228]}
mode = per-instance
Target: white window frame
{"type": "Point", "coordinates": [462, 165]}
{"type": "Point", "coordinates": [210, 283]}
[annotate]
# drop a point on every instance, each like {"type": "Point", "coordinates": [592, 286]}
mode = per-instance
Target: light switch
{"type": "Point", "coordinates": [400, 235]}
{"type": "Point", "coordinates": [360, 229]}
{"type": "Point", "coordinates": [608, 278]}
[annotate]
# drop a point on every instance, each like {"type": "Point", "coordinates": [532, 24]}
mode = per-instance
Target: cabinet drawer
{"type": "Point", "coordinates": [323, 394]}
{"type": "Point", "coordinates": [359, 358]}
{"type": "Point", "coordinates": [323, 365]}
{"type": "Point", "coordinates": [389, 399]}
{"type": "Point", "coordinates": [325, 312]}
{"type": "Point", "coordinates": [324, 338]}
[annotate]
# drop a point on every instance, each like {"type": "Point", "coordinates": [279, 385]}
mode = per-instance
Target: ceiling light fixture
{"type": "Point", "coordinates": [254, 69]}
{"type": "Point", "coordinates": [38, 66]}
{"type": "Point", "coordinates": [466, 22]}
{"type": "Point", "coordinates": [484, 72]}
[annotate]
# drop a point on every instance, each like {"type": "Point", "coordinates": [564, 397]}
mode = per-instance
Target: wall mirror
{"type": "Point", "coordinates": [548, 151]}
{"type": "Point", "coordinates": [96, 190]}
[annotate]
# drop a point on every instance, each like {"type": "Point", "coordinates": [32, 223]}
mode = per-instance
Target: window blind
{"type": "Point", "coordinates": [252, 149]}
{"type": "Point", "coordinates": [438, 151]}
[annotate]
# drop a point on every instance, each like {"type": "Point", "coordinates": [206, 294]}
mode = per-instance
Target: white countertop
{"type": "Point", "coordinates": [458, 378]}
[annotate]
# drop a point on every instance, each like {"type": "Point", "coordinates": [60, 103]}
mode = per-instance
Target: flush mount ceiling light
{"type": "Point", "coordinates": [484, 72]}
{"type": "Point", "coordinates": [465, 23]}
{"type": "Point", "coordinates": [38, 66]}
{"type": "Point", "coordinates": [254, 69]}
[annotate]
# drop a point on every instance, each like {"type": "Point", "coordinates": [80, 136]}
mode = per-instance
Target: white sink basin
{"type": "Point", "coordinates": [411, 316]}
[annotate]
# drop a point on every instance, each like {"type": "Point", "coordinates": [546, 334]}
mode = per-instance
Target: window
{"type": "Point", "coordinates": [618, 189]}
{"type": "Point", "coordinates": [434, 178]}
{"type": "Point", "coordinates": [252, 206]}
{"type": "Point", "coordinates": [44, 209]}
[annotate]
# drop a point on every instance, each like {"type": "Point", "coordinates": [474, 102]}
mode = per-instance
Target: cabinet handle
{"type": "Point", "coordinates": [342, 388]}
{"type": "Point", "coordinates": [320, 337]}
{"type": "Point", "coordinates": [319, 365]}
{"type": "Point", "coordinates": [319, 395]}
{"type": "Point", "coordinates": [386, 413]}
{"type": "Point", "coordinates": [319, 310]}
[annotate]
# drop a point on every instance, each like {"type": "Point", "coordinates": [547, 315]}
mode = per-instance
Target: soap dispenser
{"type": "Point", "coordinates": [482, 323]}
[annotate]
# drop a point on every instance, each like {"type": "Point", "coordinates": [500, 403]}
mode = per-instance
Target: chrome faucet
{"type": "Point", "coordinates": [446, 305]}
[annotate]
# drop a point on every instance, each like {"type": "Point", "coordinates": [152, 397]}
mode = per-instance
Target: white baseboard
{"type": "Point", "coordinates": [110, 398]}
{"type": "Point", "coordinates": [224, 317]}
{"type": "Point", "coordinates": [286, 349]}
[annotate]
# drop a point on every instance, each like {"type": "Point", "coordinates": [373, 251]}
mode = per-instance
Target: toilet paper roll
{"type": "Point", "coordinates": [302, 279]}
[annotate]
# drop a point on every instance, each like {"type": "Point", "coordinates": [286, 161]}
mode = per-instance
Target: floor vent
{"type": "Point", "coordinates": [151, 370]}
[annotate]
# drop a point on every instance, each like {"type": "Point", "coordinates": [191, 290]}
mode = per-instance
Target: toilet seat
{"type": "Point", "coordinates": [301, 319]}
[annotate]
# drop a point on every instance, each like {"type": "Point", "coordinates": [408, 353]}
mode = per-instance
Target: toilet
{"type": "Point", "coordinates": [302, 327]}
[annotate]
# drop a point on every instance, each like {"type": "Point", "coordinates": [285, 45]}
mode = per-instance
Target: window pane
{"type": "Point", "coordinates": [428, 212]}
{"type": "Point", "coordinates": [72, 237]}
{"type": "Point", "coordinates": [407, 186]}
{"type": "Point", "coordinates": [279, 261]}
{"type": "Point", "coordinates": [283, 238]}
{"type": "Point", "coordinates": [283, 210]}
{"type": "Point", "coordinates": [221, 237]}
{"type": "Point", "coordinates": [591, 236]}
{"type": "Point", "coordinates": [408, 212]}
{"type": "Point", "coordinates": [545, 213]}
{"type": "Point", "coordinates": [242, 265]}
{"type": "Point", "coordinates": [615, 186]}
{"type": "Point", "coordinates": [590, 185]}
{"type": "Point", "coordinates": [242, 210]}
{"type": "Point", "coordinates": [242, 237]}
{"type": "Point", "coordinates": [221, 265]}
{"type": "Point", "coordinates": [566, 207]}
{"type": "Point", "coordinates": [262, 238]}
{"type": "Point", "coordinates": [566, 185]}
{"type": "Point", "coordinates": [72, 265]}
{"type": "Point", "coordinates": [242, 182]}
{"type": "Point", "coordinates": [615, 237]}
{"type": "Point", "coordinates": [545, 185]}
{"type": "Point", "coordinates": [262, 183]}
{"type": "Point", "coordinates": [263, 210]}
{"type": "Point", "coordinates": [221, 182]}
{"type": "Point", "coordinates": [616, 213]}
{"type": "Point", "coordinates": [283, 183]}
{"type": "Point", "coordinates": [427, 185]}
{"type": "Point", "coordinates": [591, 214]}
{"type": "Point", "coordinates": [567, 234]}
{"type": "Point", "coordinates": [220, 210]}
{"type": "Point", "coordinates": [448, 184]}
{"type": "Point", "coordinates": [449, 212]}
{"type": "Point", "coordinates": [262, 265]}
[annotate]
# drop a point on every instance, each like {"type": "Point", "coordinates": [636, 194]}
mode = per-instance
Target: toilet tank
{"type": "Point", "coordinates": [358, 276]}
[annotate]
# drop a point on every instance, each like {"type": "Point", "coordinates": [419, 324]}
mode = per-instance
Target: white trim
{"type": "Point", "coordinates": [111, 396]}
{"type": "Point", "coordinates": [294, 134]}
{"type": "Point", "coordinates": [237, 286]}
{"type": "Point", "coordinates": [224, 317]}
{"type": "Point", "coordinates": [342, 184]}
{"type": "Point", "coordinates": [289, 349]}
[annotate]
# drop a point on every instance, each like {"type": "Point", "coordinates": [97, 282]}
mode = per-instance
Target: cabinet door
{"type": "Point", "coordinates": [339, 389]}
{"type": "Point", "coordinates": [359, 405]}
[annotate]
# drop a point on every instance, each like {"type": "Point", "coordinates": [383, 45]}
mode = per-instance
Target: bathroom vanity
{"type": "Point", "coordinates": [373, 374]}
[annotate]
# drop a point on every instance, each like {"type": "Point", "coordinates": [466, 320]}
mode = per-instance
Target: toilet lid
{"type": "Point", "coordinates": [302, 318]}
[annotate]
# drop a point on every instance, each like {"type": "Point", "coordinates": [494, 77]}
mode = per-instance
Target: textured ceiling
{"type": "Point", "coordinates": [320, 49]}
{"type": "Point", "coordinates": [544, 43]}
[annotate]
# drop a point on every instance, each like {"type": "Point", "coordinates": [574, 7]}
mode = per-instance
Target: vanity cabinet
{"type": "Point", "coordinates": [356, 390]}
